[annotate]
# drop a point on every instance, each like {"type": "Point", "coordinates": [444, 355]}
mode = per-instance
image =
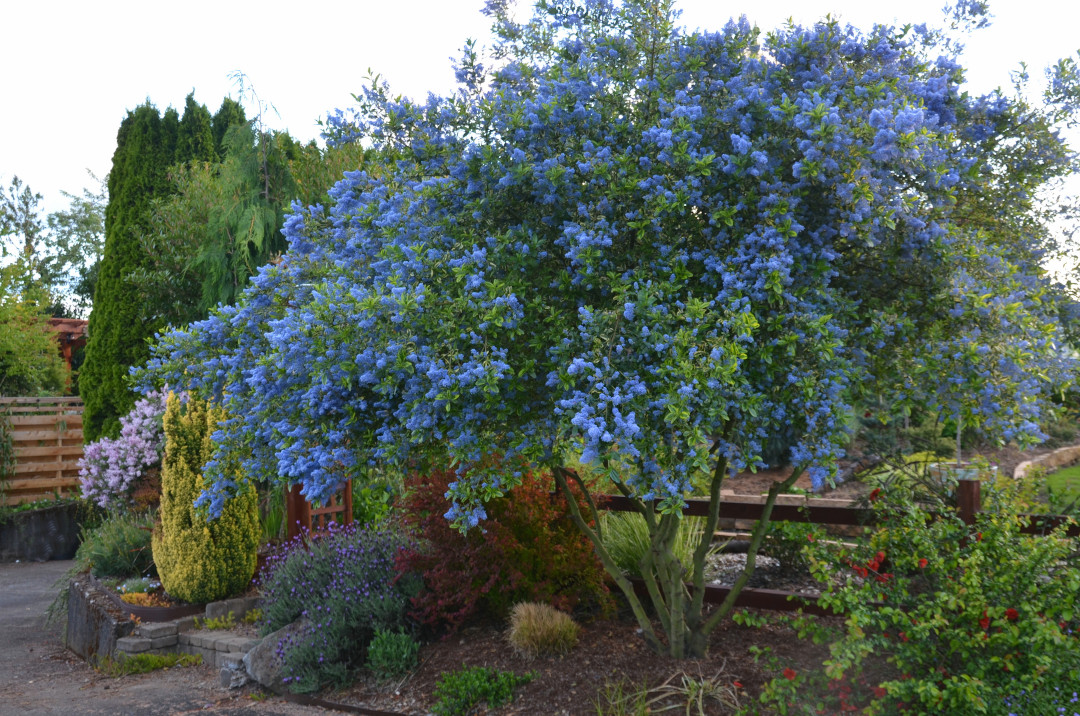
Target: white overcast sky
{"type": "Point", "coordinates": [72, 69]}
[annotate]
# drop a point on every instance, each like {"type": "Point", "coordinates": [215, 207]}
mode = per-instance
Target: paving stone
{"type": "Point", "coordinates": [163, 641]}
{"type": "Point", "coordinates": [132, 644]}
{"type": "Point", "coordinates": [158, 630]}
{"type": "Point", "coordinates": [185, 624]}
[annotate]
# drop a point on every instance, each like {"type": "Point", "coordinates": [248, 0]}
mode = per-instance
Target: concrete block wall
{"type": "Point", "coordinates": [216, 646]}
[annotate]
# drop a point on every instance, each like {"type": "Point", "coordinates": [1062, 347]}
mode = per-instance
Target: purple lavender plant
{"type": "Point", "coordinates": [343, 586]}
{"type": "Point", "coordinates": [110, 468]}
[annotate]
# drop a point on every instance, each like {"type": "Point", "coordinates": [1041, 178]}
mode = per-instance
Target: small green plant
{"type": "Point", "coordinates": [226, 622]}
{"type": "Point", "coordinates": [119, 546]}
{"type": "Point", "coordinates": [391, 655]}
{"type": "Point", "coordinates": [697, 691]}
{"type": "Point", "coordinates": [145, 663]}
{"type": "Point", "coordinates": [538, 629]}
{"type": "Point", "coordinates": [618, 698]}
{"type": "Point", "coordinates": [137, 585]}
{"type": "Point", "coordinates": [253, 616]}
{"type": "Point", "coordinates": [789, 542]}
{"type": "Point", "coordinates": [626, 537]}
{"type": "Point", "coordinates": [459, 692]}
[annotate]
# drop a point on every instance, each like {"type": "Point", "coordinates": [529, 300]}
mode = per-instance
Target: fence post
{"type": "Point", "coordinates": [297, 512]}
{"type": "Point", "coordinates": [968, 499]}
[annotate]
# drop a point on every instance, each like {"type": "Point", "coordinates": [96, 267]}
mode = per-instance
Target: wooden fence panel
{"type": "Point", "coordinates": [47, 438]}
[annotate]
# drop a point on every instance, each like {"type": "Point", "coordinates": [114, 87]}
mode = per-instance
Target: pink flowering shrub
{"type": "Point", "coordinates": [110, 468]}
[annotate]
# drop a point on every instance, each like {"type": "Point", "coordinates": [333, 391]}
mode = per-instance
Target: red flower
{"type": "Point", "coordinates": [789, 674]}
{"type": "Point", "coordinates": [876, 493]}
{"type": "Point", "coordinates": [985, 621]}
{"type": "Point", "coordinates": [879, 693]}
{"type": "Point", "coordinates": [1011, 614]}
{"type": "Point", "coordinates": [738, 684]}
{"type": "Point", "coordinates": [884, 577]}
{"type": "Point", "coordinates": [923, 563]}
{"type": "Point", "coordinates": [880, 556]}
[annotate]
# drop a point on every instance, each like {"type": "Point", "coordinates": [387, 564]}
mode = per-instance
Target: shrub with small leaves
{"type": "Point", "coordinates": [392, 654]}
{"type": "Point", "coordinates": [528, 551]}
{"type": "Point", "coordinates": [346, 586]}
{"type": "Point", "coordinates": [963, 615]}
{"type": "Point", "coordinates": [538, 629]}
{"type": "Point", "coordinates": [459, 692]}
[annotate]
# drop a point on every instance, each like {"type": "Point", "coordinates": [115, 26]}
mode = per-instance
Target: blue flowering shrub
{"type": "Point", "coordinates": [344, 587]}
{"type": "Point", "coordinates": [649, 251]}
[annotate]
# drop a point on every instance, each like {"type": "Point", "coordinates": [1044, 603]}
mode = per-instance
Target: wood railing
{"type": "Point", "coordinates": [47, 441]}
{"type": "Point", "coordinates": [740, 511]}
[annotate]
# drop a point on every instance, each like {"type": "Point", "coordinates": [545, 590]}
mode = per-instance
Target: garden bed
{"type": "Point", "coordinates": [610, 654]}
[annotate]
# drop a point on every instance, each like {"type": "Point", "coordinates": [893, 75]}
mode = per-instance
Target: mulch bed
{"type": "Point", "coordinates": [609, 653]}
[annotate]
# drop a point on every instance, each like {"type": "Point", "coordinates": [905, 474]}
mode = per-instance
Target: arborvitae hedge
{"type": "Point", "coordinates": [145, 149]}
{"type": "Point", "coordinates": [147, 145]}
{"type": "Point", "coordinates": [200, 560]}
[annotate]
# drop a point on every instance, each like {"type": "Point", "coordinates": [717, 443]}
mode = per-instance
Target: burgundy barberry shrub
{"type": "Point", "coordinates": [528, 550]}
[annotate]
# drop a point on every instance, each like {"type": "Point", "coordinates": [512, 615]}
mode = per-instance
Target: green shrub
{"type": "Point", "coordinates": [956, 618]}
{"type": "Point", "coordinates": [791, 543]}
{"type": "Point", "coordinates": [199, 559]}
{"type": "Point", "coordinates": [118, 547]}
{"type": "Point", "coordinates": [626, 537]}
{"type": "Point", "coordinates": [538, 629]}
{"type": "Point", "coordinates": [459, 692]}
{"type": "Point", "coordinates": [392, 654]}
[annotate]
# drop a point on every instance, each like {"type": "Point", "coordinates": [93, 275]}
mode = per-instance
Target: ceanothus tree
{"type": "Point", "coordinates": [640, 248]}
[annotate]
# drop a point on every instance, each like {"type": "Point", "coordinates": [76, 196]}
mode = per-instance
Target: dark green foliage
{"type": "Point", "coordinates": [195, 136]}
{"type": "Point", "coordinates": [148, 144]}
{"type": "Point", "coordinates": [118, 547]}
{"type": "Point", "coordinates": [459, 692]}
{"type": "Point", "coordinates": [231, 113]}
{"type": "Point", "coordinates": [145, 148]}
{"type": "Point", "coordinates": [392, 654]}
{"type": "Point", "coordinates": [223, 220]}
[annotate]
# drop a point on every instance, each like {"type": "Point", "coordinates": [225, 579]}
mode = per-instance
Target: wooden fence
{"type": "Point", "coordinates": [47, 438]}
{"type": "Point", "coordinates": [741, 511]}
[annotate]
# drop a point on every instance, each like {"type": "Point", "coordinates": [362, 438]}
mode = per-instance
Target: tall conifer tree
{"type": "Point", "coordinates": [195, 136]}
{"type": "Point", "coordinates": [147, 144]}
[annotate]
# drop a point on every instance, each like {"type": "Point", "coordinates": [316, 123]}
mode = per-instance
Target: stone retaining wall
{"type": "Point", "coordinates": [1062, 457]}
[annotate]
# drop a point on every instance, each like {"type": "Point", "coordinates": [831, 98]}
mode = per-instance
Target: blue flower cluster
{"type": "Point", "coordinates": [648, 255]}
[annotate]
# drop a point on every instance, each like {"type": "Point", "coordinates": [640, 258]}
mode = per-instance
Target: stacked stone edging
{"type": "Point", "coordinates": [1062, 457]}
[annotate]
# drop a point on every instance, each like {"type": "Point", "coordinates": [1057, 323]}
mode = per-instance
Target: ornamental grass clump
{"type": "Point", "coordinates": [538, 629]}
{"type": "Point", "coordinates": [342, 586]}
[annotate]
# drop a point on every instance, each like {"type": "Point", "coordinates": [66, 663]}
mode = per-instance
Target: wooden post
{"type": "Point", "coordinates": [297, 512]}
{"type": "Point", "coordinates": [968, 499]}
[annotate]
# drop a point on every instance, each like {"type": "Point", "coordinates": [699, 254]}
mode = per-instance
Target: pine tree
{"type": "Point", "coordinates": [200, 560]}
{"type": "Point", "coordinates": [145, 149]}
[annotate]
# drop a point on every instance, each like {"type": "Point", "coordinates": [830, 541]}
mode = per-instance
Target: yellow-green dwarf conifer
{"type": "Point", "coordinates": [200, 560]}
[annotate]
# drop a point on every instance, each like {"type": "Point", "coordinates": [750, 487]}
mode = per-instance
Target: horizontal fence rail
{"type": "Point", "coordinates": [47, 441]}
{"type": "Point", "coordinates": [800, 508]}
